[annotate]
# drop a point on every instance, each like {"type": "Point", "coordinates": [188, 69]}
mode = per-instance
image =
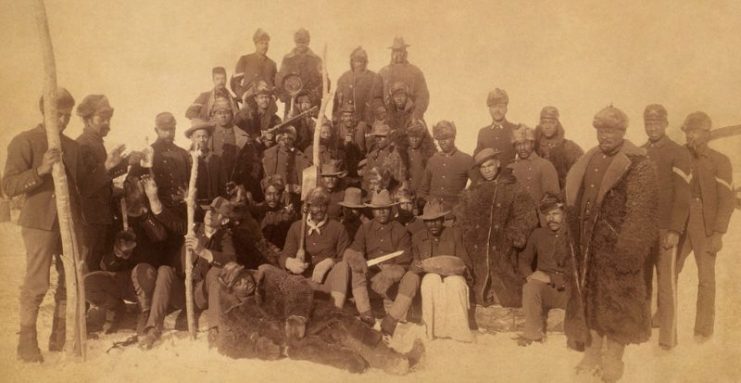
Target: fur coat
{"type": "Point", "coordinates": [614, 295]}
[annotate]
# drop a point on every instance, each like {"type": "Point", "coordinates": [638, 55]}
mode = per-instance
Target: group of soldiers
{"type": "Point", "coordinates": [528, 220]}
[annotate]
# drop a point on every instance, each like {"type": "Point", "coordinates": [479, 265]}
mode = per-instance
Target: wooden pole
{"type": "Point", "coordinates": [191, 202]}
{"type": "Point", "coordinates": [73, 265]}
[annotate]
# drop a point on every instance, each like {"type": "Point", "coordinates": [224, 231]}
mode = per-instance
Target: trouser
{"type": "Point", "coordinates": [95, 242]}
{"type": "Point", "coordinates": [169, 292]}
{"type": "Point", "coordinates": [445, 305]}
{"type": "Point", "coordinates": [400, 292]}
{"type": "Point", "coordinates": [698, 243]}
{"type": "Point", "coordinates": [537, 298]}
{"type": "Point", "coordinates": [109, 289]}
{"type": "Point", "coordinates": [666, 294]}
{"type": "Point", "coordinates": [42, 248]}
{"type": "Point", "coordinates": [335, 283]}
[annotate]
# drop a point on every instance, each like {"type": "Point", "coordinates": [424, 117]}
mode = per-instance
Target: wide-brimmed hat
{"type": "Point", "coordinates": [222, 206]}
{"type": "Point", "coordinates": [484, 155]}
{"type": "Point", "coordinates": [332, 168]}
{"type": "Point", "coordinates": [165, 120]}
{"type": "Point", "coordinates": [353, 198]}
{"type": "Point", "coordinates": [380, 200]}
{"type": "Point", "coordinates": [433, 210]}
{"type": "Point", "coordinates": [399, 43]}
{"type": "Point", "coordinates": [94, 103]}
{"type": "Point", "coordinates": [197, 124]}
{"type": "Point", "coordinates": [697, 121]}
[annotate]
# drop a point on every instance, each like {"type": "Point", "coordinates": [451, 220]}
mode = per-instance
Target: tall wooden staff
{"type": "Point", "coordinates": [310, 175]}
{"type": "Point", "coordinates": [73, 265]}
{"type": "Point", "coordinates": [191, 202]}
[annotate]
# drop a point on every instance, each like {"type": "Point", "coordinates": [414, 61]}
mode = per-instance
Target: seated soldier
{"type": "Point", "coordinates": [276, 213]}
{"type": "Point", "coordinates": [251, 247]}
{"type": "Point", "coordinates": [319, 257]}
{"type": "Point", "coordinates": [270, 315]}
{"type": "Point", "coordinates": [333, 182]}
{"type": "Point", "coordinates": [379, 237]}
{"type": "Point", "coordinates": [352, 211]}
{"type": "Point", "coordinates": [444, 290]}
{"type": "Point", "coordinates": [544, 289]}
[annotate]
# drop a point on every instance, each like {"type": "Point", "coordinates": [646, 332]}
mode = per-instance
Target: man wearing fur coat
{"type": "Point", "coordinates": [611, 196]}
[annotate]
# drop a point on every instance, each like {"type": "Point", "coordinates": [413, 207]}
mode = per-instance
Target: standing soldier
{"type": "Point", "coordinates": [711, 205]}
{"type": "Point", "coordinates": [498, 135]}
{"type": "Point", "coordinates": [401, 70]}
{"type": "Point", "coordinates": [257, 115]}
{"type": "Point", "coordinates": [419, 151]}
{"type": "Point", "coordinates": [97, 193]}
{"type": "Point", "coordinates": [285, 160]}
{"type": "Point", "coordinates": [203, 106]}
{"type": "Point", "coordinates": [227, 140]}
{"type": "Point", "coordinates": [672, 163]}
{"type": "Point", "coordinates": [449, 170]}
{"type": "Point", "coordinates": [551, 144]}
{"type": "Point", "coordinates": [254, 67]}
{"type": "Point", "coordinates": [611, 197]}
{"type": "Point", "coordinates": [385, 156]}
{"type": "Point", "coordinates": [536, 175]}
{"type": "Point", "coordinates": [351, 136]}
{"type": "Point", "coordinates": [358, 87]}
{"type": "Point", "coordinates": [28, 173]}
{"type": "Point", "coordinates": [170, 162]}
{"type": "Point", "coordinates": [304, 62]}
{"type": "Point", "coordinates": [211, 180]}
{"type": "Point", "coordinates": [400, 107]}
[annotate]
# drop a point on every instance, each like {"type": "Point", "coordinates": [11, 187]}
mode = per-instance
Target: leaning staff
{"type": "Point", "coordinates": [73, 266]}
{"type": "Point", "coordinates": [191, 203]}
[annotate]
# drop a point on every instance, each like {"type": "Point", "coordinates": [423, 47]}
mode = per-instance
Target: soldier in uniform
{"type": "Point", "coordinates": [212, 177]}
{"type": "Point", "coordinates": [325, 242]}
{"type": "Point", "coordinates": [97, 193]}
{"type": "Point", "coordinates": [352, 211]}
{"type": "Point", "coordinates": [497, 215]}
{"type": "Point", "coordinates": [401, 70]}
{"type": "Point", "coordinates": [536, 175]}
{"type": "Point", "coordinates": [406, 211]}
{"type": "Point", "coordinates": [418, 154]}
{"type": "Point", "coordinates": [28, 173]}
{"type": "Point", "coordinates": [672, 162]}
{"type": "Point", "coordinates": [329, 147]}
{"type": "Point", "coordinates": [227, 139]}
{"type": "Point", "coordinates": [304, 62]}
{"type": "Point", "coordinates": [258, 115]}
{"type": "Point", "coordinates": [381, 236]}
{"type": "Point", "coordinates": [170, 162]}
{"type": "Point", "coordinates": [333, 177]}
{"type": "Point", "coordinates": [359, 86]}
{"type": "Point", "coordinates": [445, 294]}
{"type": "Point", "coordinates": [448, 170]}
{"type": "Point", "coordinates": [385, 156]}
{"type": "Point", "coordinates": [551, 144]}
{"type": "Point", "coordinates": [276, 213]}
{"type": "Point", "coordinates": [711, 205]}
{"type": "Point", "coordinates": [498, 135]}
{"type": "Point", "coordinates": [400, 107]}
{"type": "Point", "coordinates": [203, 106]}
{"type": "Point", "coordinates": [351, 135]}
{"type": "Point", "coordinates": [611, 198]}
{"type": "Point", "coordinates": [254, 67]}
{"type": "Point", "coordinates": [285, 160]}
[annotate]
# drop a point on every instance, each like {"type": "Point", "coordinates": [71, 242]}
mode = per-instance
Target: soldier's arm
{"type": "Point", "coordinates": [549, 179]}
{"type": "Point", "coordinates": [20, 175]}
{"type": "Point", "coordinates": [404, 244]}
{"type": "Point", "coordinates": [226, 252]}
{"type": "Point", "coordinates": [194, 110]}
{"type": "Point", "coordinates": [682, 193]}
{"type": "Point", "coordinates": [726, 199]}
{"type": "Point", "coordinates": [291, 245]}
{"type": "Point", "coordinates": [236, 81]}
{"type": "Point", "coordinates": [343, 243]}
{"type": "Point", "coordinates": [421, 97]}
{"type": "Point", "coordinates": [526, 257]}
{"type": "Point", "coordinates": [424, 184]}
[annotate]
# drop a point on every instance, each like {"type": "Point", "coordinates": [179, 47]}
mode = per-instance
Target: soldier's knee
{"type": "Point", "coordinates": [456, 282]}
{"type": "Point", "coordinates": [165, 275]}
{"type": "Point", "coordinates": [409, 283]}
{"type": "Point", "coordinates": [430, 280]}
{"type": "Point", "coordinates": [531, 289]}
{"type": "Point", "coordinates": [143, 274]}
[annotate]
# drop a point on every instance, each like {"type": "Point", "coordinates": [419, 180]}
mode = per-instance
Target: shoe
{"type": "Point", "coordinates": [213, 336]}
{"type": "Point", "coordinates": [28, 347]}
{"type": "Point", "coordinates": [388, 325]}
{"type": "Point", "coordinates": [295, 327]}
{"type": "Point", "coordinates": [368, 318]}
{"type": "Point", "coordinates": [523, 341]}
{"type": "Point", "coordinates": [141, 322]}
{"type": "Point", "coordinates": [151, 335]}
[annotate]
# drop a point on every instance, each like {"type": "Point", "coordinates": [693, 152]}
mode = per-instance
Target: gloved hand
{"type": "Point", "coordinates": [356, 261]}
{"type": "Point", "coordinates": [716, 243]}
{"type": "Point", "coordinates": [671, 239]}
{"type": "Point", "coordinates": [295, 265]}
{"type": "Point", "coordinates": [321, 269]}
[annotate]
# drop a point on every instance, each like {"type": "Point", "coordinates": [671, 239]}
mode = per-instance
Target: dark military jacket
{"type": "Point", "coordinates": [414, 79]}
{"type": "Point", "coordinates": [672, 163]}
{"type": "Point", "coordinates": [171, 170]}
{"type": "Point", "coordinates": [374, 240]}
{"type": "Point", "coordinates": [308, 66]}
{"type": "Point", "coordinates": [446, 176]}
{"type": "Point", "coordinates": [561, 152]}
{"type": "Point", "coordinates": [97, 192]}
{"type": "Point", "coordinates": [330, 242]}
{"type": "Point", "coordinates": [251, 68]}
{"type": "Point", "coordinates": [712, 177]}
{"type": "Point", "coordinates": [359, 89]}
{"type": "Point", "coordinates": [203, 105]}
{"type": "Point", "coordinates": [498, 138]}
{"type": "Point", "coordinates": [25, 154]}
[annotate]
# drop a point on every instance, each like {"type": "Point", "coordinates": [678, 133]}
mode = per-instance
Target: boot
{"type": "Point", "coordinates": [388, 325]}
{"type": "Point", "coordinates": [28, 347]}
{"type": "Point", "coordinates": [368, 318]}
{"type": "Point", "coordinates": [141, 322]}
{"type": "Point", "coordinates": [58, 327]}
{"type": "Point", "coordinates": [295, 327]}
{"type": "Point", "coordinates": [612, 365]}
{"type": "Point", "coordinates": [113, 318]}
{"type": "Point", "coordinates": [151, 335]}
{"type": "Point", "coordinates": [591, 363]}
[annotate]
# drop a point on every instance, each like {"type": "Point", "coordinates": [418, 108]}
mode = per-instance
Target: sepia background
{"type": "Point", "coordinates": [154, 56]}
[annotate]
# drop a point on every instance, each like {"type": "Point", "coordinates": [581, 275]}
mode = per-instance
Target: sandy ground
{"type": "Point", "coordinates": [493, 358]}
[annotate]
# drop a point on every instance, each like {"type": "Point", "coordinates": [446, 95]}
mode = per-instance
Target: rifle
{"type": "Point", "coordinates": [293, 119]}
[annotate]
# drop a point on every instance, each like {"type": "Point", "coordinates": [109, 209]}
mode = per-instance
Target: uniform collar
{"type": "Point", "coordinates": [658, 144]}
